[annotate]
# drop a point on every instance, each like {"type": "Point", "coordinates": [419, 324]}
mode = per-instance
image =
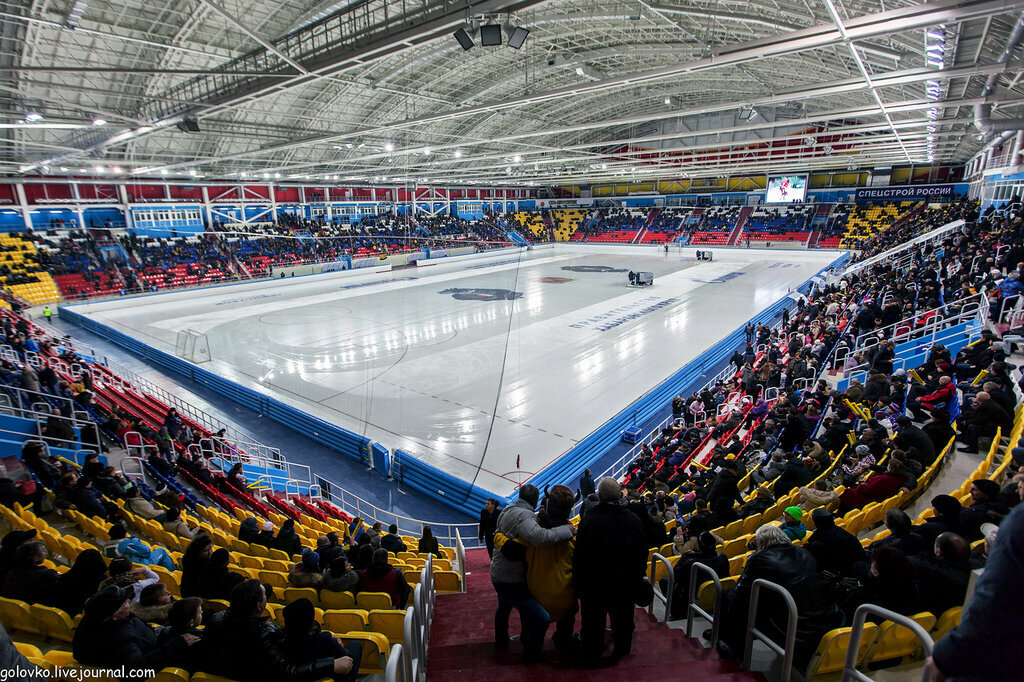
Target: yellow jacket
{"type": "Point", "coordinates": [549, 577]}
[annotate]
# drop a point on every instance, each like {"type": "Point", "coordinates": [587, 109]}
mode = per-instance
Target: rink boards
{"type": "Point", "coordinates": [475, 373]}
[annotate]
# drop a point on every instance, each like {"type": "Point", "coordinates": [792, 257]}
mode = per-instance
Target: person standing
{"type": "Point", "coordinates": [48, 314]}
{"type": "Point", "coordinates": [608, 569]}
{"type": "Point", "coordinates": [508, 572]}
{"type": "Point", "coordinates": [488, 524]}
{"type": "Point", "coordinates": [587, 484]}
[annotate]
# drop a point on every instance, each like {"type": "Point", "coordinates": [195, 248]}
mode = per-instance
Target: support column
{"type": "Point", "coordinates": [207, 209]}
{"type": "Point", "coordinates": [122, 194]}
{"type": "Point", "coordinates": [26, 218]}
{"type": "Point", "coordinates": [78, 205]}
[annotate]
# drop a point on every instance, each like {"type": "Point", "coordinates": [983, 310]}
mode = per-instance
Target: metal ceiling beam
{"type": "Point", "coordinates": [845, 86]}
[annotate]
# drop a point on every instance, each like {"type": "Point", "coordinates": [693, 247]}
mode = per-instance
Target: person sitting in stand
{"type": "Point", "coordinates": [380, 576]}
{"type": "Point", "coordinates": [29, 581]}
{"type": "Point", "coordinates": [307, 573]}
{"type": "Point", "coordinates": [305, 641]}
{"type": "Point", "coordinates": [792, 525]}
{"type": "Point", "coordinates": [111, 636]}
{"type": "Point", "coordinates": [428, 543]}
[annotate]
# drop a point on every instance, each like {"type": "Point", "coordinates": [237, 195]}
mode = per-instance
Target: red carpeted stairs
{"type": "Point", "coordinates": [462, 645]}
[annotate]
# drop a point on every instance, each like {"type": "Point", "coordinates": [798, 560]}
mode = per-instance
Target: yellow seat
{"type": "Point", "coordinates": [706, 591]}
{"type": "Point", "coordinates": [441, 565]}
{"type": "Point", "coordinates": [332, 600]}
{"type": "Point", "coordinates": [275, 579]}
{"type": "Point", "coordinates": [405, 556]}
{"type": "Point", "coordinates": [251, 562]}
{"type": "Point", "coordinates": [660, 571]}
{"type": "Point", "coordinates": [373, 600]}
{"type": "Point", "coordinates": [411, 575]}
{"type": "Point", "coordinates": [278, 554]}
{"type": "Point", "coordinates": [170, 675]}
{"type": "Point", "coordinates": [212, 606]}
{"type": "Point", "coordinates": [275, 565]}
{"type": "Point", "coordinates": [375, 651]}
{"type": "Point", "coordinates": [240, 547]}
{"type": "Point", "coordinates": [171, 580]}
{"type": "Point", "coordinates": [897, 641]}
{"type": "Point", "coordinates": [346, 620]}
{"type": "Point", "coordinates": [830, 656]}
{"type": "Point", "coordinates": [258, 550]}
{"type": "Point", "coordinates": [60, 659]}
{"type": "Point", "coordinates": [947, 621]}
{"type": "Point", "coordinates": [56, 624]}
{"type": "Point", "coordinates": [15, 615]}
{"type": "Point", "coordinates": [388, 622]}
{"type": "Point", "coordinates": [735, 547]}
{"type": "Point", "coordinates": [28, 650]}
{"type": "Point", "coordinates": [446, 582]}
{"type": "Point", "coordinates": [295, 593]}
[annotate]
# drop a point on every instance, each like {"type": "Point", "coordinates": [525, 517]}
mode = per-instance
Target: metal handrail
{"type": "Point", "coordinates": [411, 640]}
{"type": "Point", "coordinates": [396, 670]}
{"type": "Point", "coordinates": [460, 556]}
{"type": "Point", "coordinates": [692, 607]}
{"type": "Point", "coordinates": [665, 599]}
{"type": "Point", "coordinates": [786, 650]}
{"type": "Point", "coordinates": [850, 671]}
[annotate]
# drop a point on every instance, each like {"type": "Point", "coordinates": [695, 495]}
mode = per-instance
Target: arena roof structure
{"type": "Point", "coordinates": [371, 91]}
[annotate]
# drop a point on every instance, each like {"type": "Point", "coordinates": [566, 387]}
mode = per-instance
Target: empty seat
{"type": "Point", "coordinates": [346, 620]}
{"type": "Point", "coordinates": [830, 656]}
{"type": "Point", "coordinates": [55, 624]}
{"type": "Point", "coordinates": [373, 600]}
{"type": "Point", "coordinates": [332, 600]}
{"type": "Point", "coordinates": [388, 622]}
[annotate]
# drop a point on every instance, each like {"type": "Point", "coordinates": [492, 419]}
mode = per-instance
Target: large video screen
{"type": "Point", "coordinates": [786, 188]}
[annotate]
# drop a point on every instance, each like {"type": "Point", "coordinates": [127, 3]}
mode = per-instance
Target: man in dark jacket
{"type": "Point", "coordinates": [240, 643]}
{"type": "Point", "coordinates": [939, 430]}
{"type": "Point", "coordinates": [110, 635]}
{"type": "Point", "coordinates": [986, 417]}
{"type": "Point", "coordinates": [942, 578]}
{"type": "Point", "coordinates": [795, 475]}
{"type": "Point", "coordinates": [908, 435]}
{"type": "Point", "coordinates": [29, 580]}
{"type": "Point", "coordinates": [392, 542]}
{"type": "Point", "coordinates": [986, 507]}
{"type": "Point", "coordinates": [834, 549]}
{"type": "Point", "coordinates": [608, 566]}
{"type": "Point", "coordinates": [902, 535]}
{"type": "Point", "coordinates": [706, 554]}
{"type": "Point", "coordinates": [725, 485]}
{"type": "Point", "coordinates": [792, 567]}
{"type": "Point", "coordinates": [586, 483]}
{"type": "Point", "coordinates": [984, 645]}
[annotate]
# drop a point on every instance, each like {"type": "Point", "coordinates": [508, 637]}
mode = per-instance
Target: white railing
{"type": "Point", "coordinates": [931, 235]}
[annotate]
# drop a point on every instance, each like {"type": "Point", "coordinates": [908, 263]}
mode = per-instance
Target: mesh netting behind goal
{"type": "Point", "coordinates": [193, 346]}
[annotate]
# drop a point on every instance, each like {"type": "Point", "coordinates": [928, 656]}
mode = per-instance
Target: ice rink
{"type": "Point", "coordinates": [471, 364]}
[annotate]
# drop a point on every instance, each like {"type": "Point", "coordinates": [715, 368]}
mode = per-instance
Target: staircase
{"type": "Point", "coordinates": [737, 231]}
{"type": "Point", "coordinates": [812, 240]}
{"type": "Point", "coordinates": [462, 645]}
{"type": "Point", "coordinates": [638, 239]}
{"type": "Point", "coordinates": [549, 225]}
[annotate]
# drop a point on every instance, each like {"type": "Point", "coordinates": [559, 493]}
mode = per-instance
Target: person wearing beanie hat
{"type": "Point", "coordinates": [763, 500]}
{"type": "Point", "coordinates": [834, 549]}
{"type": "Point", "coordinates": [306, 573]}
{"type": "Point", "coordinates": [986, 507]}
{"type": "Point", "coordinates": [792, 525]}
{"type": "Point", "coordinates": [111, 636]}
{"type": "Point", "coordinates": [855, 466]}
{"type": "Point", "coordinates": [305, 640]}
{"type": "Point", "coordinates": [266, 535]}
{"type": "Point", "coordinates": [706, 554]}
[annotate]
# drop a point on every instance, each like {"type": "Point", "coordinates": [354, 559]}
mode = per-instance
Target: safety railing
{"type": "Point", "coordinates": [460, 556]}
{"type": "Point", "coordinates": [133, 381]}
{"type": "Point", "coordinates": [693, 606]}
{"type": "Point", "coordinates": [860, 616]}
{"type": "Point", "coordinates": [353, 505]}
{"type": "Point", "coordinates": [753, 632]}
{"type": "Point", "coordinates": [907, 328]}
{"type": "Point", "coordinates": [932, 235]}
{"type": "Point", "coordinates": [397, 666]}
{"type": "Point", "coordinates": [665, 598]}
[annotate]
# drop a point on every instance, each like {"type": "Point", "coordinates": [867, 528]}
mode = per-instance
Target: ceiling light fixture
{"type": "Point", "coordinates": [99, 122]}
